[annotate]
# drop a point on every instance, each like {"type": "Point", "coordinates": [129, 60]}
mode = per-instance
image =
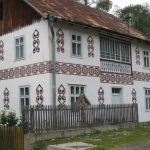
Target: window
{"type": "Point", "coordinates": [116, 50]}
{"type": "Point", "coordinates": [116, 95]}
{"type": "Point", "coordinates": [146, 55]}
{"type": "Point", "coordinates": [76, 45]}
{"type": "Point", "coordinates": [147, 99]}
{"type": "Point", "coordinates": [24, 97]}
{"type": "Point", "coordinates": [19, 47]}
{"type": "Point", "coordinates": [75, 92]}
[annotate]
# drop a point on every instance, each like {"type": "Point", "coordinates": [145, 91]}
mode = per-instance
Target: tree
{"type": "Point", "coordinates": [105, 5]}
{"type": "Point", "coordinates": [137, 16]}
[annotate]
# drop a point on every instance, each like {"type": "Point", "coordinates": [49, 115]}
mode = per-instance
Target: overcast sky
{"type": "Point", "coordinates": [123, 3]}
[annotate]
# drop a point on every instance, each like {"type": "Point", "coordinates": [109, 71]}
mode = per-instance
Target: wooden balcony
{"type": "Point", "coordinates": [115, 67]}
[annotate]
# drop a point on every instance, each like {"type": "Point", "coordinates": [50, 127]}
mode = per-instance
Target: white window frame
{"type": "Point", "coordinates": [20, 44]}
{"type": "Point", "coordinates": [117, 94]}
{"type": "Point", "coordinates": [24, 96]}
{"type": "Point", "coordinates": [147, 56]}
{"type": "Point", "coordinates": [147, 96]}
{"type": "Point", "coordinates": [117, 52]}
{"type": "Point", "coordinates": [76, 42]}
{"type": "Point", "coordinates": [76, 95]}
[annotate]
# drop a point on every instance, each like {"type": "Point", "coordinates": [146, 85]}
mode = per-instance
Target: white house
{"type": "Point", "coordinates": [51, 51]}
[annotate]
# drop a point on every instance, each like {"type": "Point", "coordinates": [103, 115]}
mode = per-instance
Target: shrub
{"type": "Point", "coordinates": [9, 118]}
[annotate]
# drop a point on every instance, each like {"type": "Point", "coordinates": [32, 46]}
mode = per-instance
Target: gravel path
{"type": "Point", "coordinates": [136, 146]}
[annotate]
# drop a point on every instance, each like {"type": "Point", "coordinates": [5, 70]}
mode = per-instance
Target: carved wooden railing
{"type": "Point", "coordinates": [115, 67]}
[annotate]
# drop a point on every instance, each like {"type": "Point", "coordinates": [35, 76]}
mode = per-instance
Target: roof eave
{"type": "Point", "coordinates": [36, 9]}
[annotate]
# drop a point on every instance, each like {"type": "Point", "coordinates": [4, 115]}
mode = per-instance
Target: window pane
{"type": "Point", "coordinates": [21, 51]}
{"type": "Point", "coordinates": [22, 101]}
{"type": "Point", "coordinates": [82, 90]}
{"type": "Point", "coordinates": [27, 101]}
{"type": "Point", "coordinates": [21, 40]}
{"type": "Point", "coordinates": [79, 49]}
{"type": "Point", "coordinates": [72, 90]}
{"type": "Point", "coordinates": [72, 101]}
{"type": "Point", "coordinates": [79, 38]}
{"type": "Point", "coordinates": [74, 48]}
{"type": "Point", "coordinates": [26, 91]}
{"type": "Point", "coordinates": [73, 37]}
{"type": "Point", "coordinates": [21, 91]}
{"type": "Point", "coordinates": [17, 52]}
{"type": "Point", "coordinates": [77, 90]}
{"type": "Point", "coordinates": [17, 41]}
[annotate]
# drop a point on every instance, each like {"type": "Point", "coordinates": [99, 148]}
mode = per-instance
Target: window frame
{"type": "Point", "coordinates": [144, 57]}
{"type": "Point", "coordinates": [116, 94]}
{"type": "Point", "coordinates": [24, 96]}
{"type": "Point", "coordinates": [119, 43]}
{"type": "Point", "coordinates": [147, 110]}
{"type": "Point", "coordinates": [76, 42]}
{"type": "Point", "coordinates": [19, 58]}
{"type": "Point", "coordinates": [75, 95]}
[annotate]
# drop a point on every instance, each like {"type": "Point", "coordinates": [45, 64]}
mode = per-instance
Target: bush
{"type": "Point", "coordinates": [9, 118]}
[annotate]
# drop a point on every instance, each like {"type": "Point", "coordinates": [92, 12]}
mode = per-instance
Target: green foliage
{"type": "Point", "coordinates": [9, 118]}
{"type": "Point", "coordinates": [137, 16]}
{"type": "Point", "coordinates": [105, 5]}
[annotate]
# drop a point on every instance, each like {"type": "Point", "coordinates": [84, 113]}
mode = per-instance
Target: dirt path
{"type": "Point", "coordinates": [136, 146]}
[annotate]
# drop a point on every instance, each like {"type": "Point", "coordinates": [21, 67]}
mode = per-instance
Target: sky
{"type": "Point", "coordinates": [124, 3]}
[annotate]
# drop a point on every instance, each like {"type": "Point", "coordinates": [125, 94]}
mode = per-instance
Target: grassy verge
{"type": "Point", "coordinates": [103, 140]}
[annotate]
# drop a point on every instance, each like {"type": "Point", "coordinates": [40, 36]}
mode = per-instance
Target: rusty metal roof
{"type": "Point", "coordinates": [71, 11]}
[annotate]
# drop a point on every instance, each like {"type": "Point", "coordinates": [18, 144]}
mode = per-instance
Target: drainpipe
{"type": "Point", "coordinates": [52, 33]}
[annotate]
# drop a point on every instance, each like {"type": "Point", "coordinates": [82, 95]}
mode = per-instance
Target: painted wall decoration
{"type": "Point", "coordinates": [90, 42]}
{"type": "Point", "coordinates": [1, 50]}
{"type": "Point", "coordinates": [36, 41]}
{"type": "Point", "coordinates": [113, 78]}
{"type": "Point", "coordinates": [101, 96]}
{"type": "Point", "coordinates": [134, 99]}
{"type": "Point", "coordinates": [60, 40]}
{"type": "Point", "coordinates": [61, 95]}
{"type": "Point", "coordinates": [137, 52]}
{"type": "Point", "coordinates": [39, 97]}
{"type": "Point", "coordinates": [6, 98]}
{"type": "Point", "coordinates": [46, 67]}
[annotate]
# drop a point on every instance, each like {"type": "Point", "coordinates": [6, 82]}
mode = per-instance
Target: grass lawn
{"type": "Point", "coordinates": [103, 140]}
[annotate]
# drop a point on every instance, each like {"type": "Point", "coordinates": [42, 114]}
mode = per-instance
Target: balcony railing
{"type": "Point", "coordinates": [108, 66]}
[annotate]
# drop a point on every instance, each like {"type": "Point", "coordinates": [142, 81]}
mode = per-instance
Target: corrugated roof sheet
{"type": "Point", "coordinates": [72, 11]}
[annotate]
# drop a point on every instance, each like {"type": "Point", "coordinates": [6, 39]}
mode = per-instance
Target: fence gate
{"type": "Point", "coordinates": [11, 138]}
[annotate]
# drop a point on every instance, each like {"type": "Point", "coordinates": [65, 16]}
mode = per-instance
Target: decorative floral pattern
{"type": "Point", "coordinates": [73, 69]}
{"type": "Point", "coordinates": [39, 97]}
{"type": "Point", "coordinates": [60, 40]}
{"type": "Point", "coordinates": [36, 41]}
{"type": "Point", "coordinates": [116, 78]}
{"type": "Point", "coordinates": [134, 99]}
{"type": "Point", "coordinates": [6, 98]}
{"type": "Point", "coordinates": [1, 50]}
{"type": "Point", "coordinates": [137, 52]}
{"type": "Point", "coordinates": [90, 46]}
{"type": "Point", "coordinates": [61, 96]}
{"type": "Point", "coordinates": [101, 96]}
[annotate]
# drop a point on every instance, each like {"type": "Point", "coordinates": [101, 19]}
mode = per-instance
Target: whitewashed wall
{"type": "Point", "coordinates": [30, 58]}
{"type": "Point", "coordinates": [92, 84]}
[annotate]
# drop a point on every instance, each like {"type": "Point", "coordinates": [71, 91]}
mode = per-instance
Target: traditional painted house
{"type": "Point", "coordinates": [51, 51]}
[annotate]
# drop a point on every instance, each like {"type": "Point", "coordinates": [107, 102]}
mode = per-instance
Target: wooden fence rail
{"type": "Point", "coordinates": [11, 138]}
{"type": "Point", "coordinates": [47, 118]}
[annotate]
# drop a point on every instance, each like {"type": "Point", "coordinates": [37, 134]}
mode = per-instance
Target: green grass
{"type": "Point", "coordinates": [103, 140]}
